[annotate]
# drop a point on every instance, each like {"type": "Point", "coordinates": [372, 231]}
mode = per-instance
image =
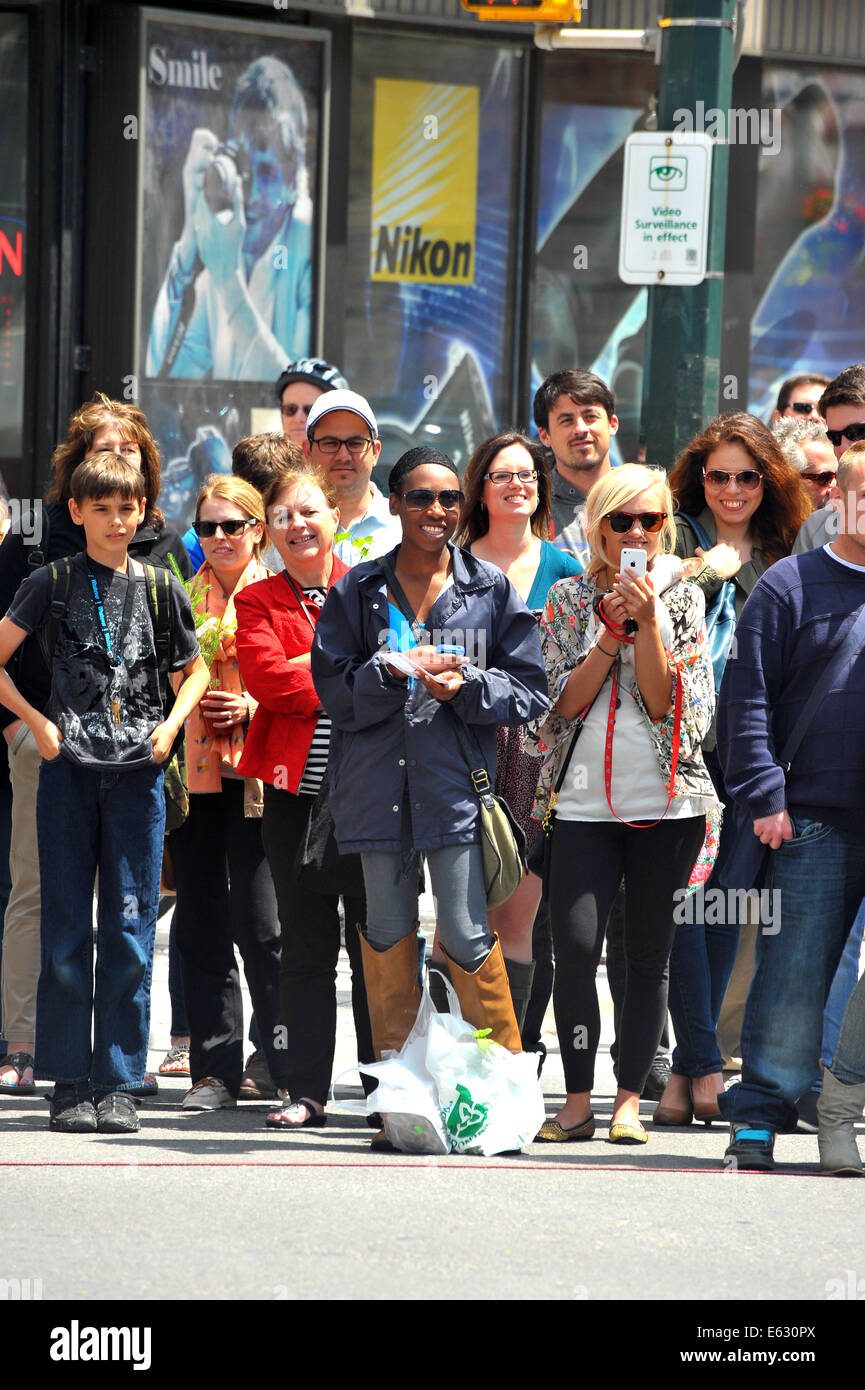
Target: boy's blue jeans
{"type": "Point", "coordinates": [114, 822]}
{"type": "Point", "coordinates": [820, 875]}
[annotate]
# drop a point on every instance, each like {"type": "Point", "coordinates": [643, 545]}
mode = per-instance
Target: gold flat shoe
{"type": "Point", "coordinates": [627, 1134]}
{"type": "Point", "coordinates": [551, 1132]}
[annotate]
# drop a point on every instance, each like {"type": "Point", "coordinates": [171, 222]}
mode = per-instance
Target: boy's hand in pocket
{"type": "Point", "coordinates": [162, 738]}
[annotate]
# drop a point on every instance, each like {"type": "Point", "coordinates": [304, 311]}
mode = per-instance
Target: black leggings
{"type": "Point", "coordinates": [589, 859]}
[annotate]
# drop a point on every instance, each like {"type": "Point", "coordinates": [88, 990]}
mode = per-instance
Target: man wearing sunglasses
{"type": "Point", "coordinates": [842, 405]}
{"type": "Point", "coordinates": [574, 411]}
{"type": "Point", "coordinates": [799, 397]}
{"type": "Point", "coordinates": [297, 390]}
{"type": "Point", "coordinates": [344, 447]}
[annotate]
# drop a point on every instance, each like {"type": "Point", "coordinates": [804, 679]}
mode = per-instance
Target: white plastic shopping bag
{"type": "Point", "coordinates": [451, 1087]}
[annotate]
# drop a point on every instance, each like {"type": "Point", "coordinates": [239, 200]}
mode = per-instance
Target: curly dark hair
{"type": "Point", "coordinates": [474, 519]}
{"type": "Point", "coordinates": [83, 426]}
{"type": "Point", "coordinates": [785, 504]}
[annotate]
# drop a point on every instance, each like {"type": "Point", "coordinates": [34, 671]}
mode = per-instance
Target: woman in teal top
{"type": "Point", "coordinates": [506, 521]}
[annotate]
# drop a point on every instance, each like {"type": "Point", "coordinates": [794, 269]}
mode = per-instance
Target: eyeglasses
{"type": "Point", "coordinates": [356, 445]}
{"type": "Point", "coordinates": [851, 432]}
{"type": "Point", "coordinates": [289, 411]}
{"type": "Point", "coordinates": [749, 478]}
{"type": "Point", "coordinates": [802, 407]}
{"type": "Point", "coordinates": [824, 479]}
{"type": "Point", "coordinates": [206, 530]}
{"type": "Point", "coordinates": [417, 499]}
{"type": "Point", "coordinates": [620, 522]}
{"type": "Point", "coordinates": [525, 475]}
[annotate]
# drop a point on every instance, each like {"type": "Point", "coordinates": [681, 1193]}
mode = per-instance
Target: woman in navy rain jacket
{"type": "Point", "coordinates": [399, 782]}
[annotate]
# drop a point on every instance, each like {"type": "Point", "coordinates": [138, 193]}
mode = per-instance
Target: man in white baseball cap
{"type": "Point", "coordinates": [344, 447]}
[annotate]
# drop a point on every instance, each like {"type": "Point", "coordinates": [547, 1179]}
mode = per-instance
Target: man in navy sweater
{"type": "Point", "coordinates": [812, 815]}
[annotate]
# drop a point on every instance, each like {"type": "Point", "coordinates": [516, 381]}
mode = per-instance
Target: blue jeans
{"type": "Point", "coordinates": [820, 875]}
{"type": "Point", "coordinates": [112, 822]}
{"type": "Point", "coordinates": [843, 986]}
{"type": "Point", "coordinates": [701, 963]}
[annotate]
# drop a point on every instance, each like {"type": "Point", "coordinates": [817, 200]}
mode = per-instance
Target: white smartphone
{"type": "Point", "coordinates": [633, 560]}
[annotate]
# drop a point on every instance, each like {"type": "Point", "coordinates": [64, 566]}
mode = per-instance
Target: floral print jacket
{"type": "Point", "coordinates": [569, 629]}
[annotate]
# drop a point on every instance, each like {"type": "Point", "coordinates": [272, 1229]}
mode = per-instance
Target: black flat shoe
{"type": "Point", "coordinates": [72, 1111]}
{"type": "Point", "coordinates": [116, 1114]}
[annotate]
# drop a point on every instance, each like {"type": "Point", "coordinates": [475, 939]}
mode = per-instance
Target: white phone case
{"type": "Point", "coordinates": [633, 559]}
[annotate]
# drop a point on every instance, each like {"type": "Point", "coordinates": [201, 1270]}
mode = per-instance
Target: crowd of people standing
{"type": "Point", "coordinates": [659, 672]}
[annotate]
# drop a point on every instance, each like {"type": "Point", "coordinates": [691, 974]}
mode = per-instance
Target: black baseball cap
{"type": "Point", "coordinates": [312, 369]}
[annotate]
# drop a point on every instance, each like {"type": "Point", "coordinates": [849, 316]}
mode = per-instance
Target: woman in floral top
{"type": "Point", "coordinates": [635, 795]}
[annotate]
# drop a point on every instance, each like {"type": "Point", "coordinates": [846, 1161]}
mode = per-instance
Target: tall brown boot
{"type": "Point", "coordinates": [392, 991]}
{"type": "Point", "coordinates": [485, 998]}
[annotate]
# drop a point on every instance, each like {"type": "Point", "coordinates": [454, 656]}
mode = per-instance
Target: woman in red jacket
{"type": "Point", "coordinates": [287, 747]}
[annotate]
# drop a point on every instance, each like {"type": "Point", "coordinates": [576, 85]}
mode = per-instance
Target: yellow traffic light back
{"type": "Point", "coordinates": [527, 11]}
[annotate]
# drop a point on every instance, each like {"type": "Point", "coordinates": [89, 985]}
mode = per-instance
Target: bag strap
{"type": "Point", "coordinates": [417, 628]}
{"type": "Point", "coordinates": [847, 648]}
{"type": "Point", "coordinates": [703, 539]}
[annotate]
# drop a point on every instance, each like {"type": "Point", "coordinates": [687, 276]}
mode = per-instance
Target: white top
{"type": "Point", "coordinates": [637, 789]}
{"type": "Point", "coordinates": [373, 534]}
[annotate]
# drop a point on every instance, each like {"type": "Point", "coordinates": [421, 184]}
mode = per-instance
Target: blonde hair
{"type": "Point", "coordinates": [225, 487]}
{"type": "Point", "coordinates": [611, 494]}
{"type": "Point", "coordinates": [847, 463]}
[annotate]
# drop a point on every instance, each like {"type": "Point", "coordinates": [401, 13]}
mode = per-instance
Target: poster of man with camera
{"type": "Point", "coordinates": [232, 121]}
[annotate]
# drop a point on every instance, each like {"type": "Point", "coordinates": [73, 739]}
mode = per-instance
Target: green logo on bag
{"type": "Point", "coordinates": [467, 1117]}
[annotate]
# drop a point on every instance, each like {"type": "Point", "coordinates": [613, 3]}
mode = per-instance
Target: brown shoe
{"type": "Point", "coordinates": [392, 992]}
{"type": "Point", "coordinates": [257, 1082]}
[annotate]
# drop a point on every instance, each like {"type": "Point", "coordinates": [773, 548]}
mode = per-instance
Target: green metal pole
{"type": "Point", "coordinates": [681, 379]}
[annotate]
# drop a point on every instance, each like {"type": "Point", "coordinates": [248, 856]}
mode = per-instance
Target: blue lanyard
{"type": "Point", "coordinates": [114, 656]}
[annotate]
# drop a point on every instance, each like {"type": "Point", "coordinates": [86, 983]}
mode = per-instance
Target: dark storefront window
{"type": "Point", "coordinates": [433, 234]}
{"type": "Point", "coordinates": [584, 315]}
{"type": "Point", "coordinates": [13, 232]}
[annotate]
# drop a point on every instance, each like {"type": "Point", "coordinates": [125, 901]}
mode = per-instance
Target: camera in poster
{"type": "Point", "coordinates": [231, 216]}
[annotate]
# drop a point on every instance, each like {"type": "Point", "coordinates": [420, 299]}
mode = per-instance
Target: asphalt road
{"type": "Point", "coordinates": [214, 1206]}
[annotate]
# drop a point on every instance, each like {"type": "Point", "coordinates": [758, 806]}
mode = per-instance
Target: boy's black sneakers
{"type": "Point", "coordinates": [750, 1149]}
{"type": "Point", "coordinates": [116, 1113]}
{"type": "Point", "coordinates": [72, 1110]}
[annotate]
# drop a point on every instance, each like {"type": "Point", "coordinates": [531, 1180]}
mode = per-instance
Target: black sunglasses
{"type": "Point", "coordinates": [620, 522]}
{"type": "Point", "coordinates": [291, 409]}
{"type": "Point", "coordinates": [419, 498]}
{"type": "Point", "coordinates": [824, 479]}
{"type": "Point", "coordinates": [233, 527]}
{"type": "Point", "coordinates": [852, 432]}
{"type": "Point", "coordinates": [802, 407]}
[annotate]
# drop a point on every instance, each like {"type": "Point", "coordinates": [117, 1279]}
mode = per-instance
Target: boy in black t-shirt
{"type": "Point", "coordinates": [105, 739]}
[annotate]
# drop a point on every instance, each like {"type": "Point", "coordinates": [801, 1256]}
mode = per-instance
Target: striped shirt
{"type": "Point", "coordinates": [316, 759]}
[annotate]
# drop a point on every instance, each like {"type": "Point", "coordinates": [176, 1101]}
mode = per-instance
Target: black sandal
{"type": "Point", "coordinates": [19, 1061]}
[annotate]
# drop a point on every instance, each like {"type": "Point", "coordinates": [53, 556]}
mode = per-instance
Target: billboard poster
{"type": "Point", "coordinates": [231, 221]}
{"type": "Point", "coordinates": [13, 239]}
{"type": "Point", "coordinates": [430, 302]}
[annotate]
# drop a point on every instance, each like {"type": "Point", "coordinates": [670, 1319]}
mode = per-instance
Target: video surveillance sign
{"type": "Point", "coordinates": [665, 208]}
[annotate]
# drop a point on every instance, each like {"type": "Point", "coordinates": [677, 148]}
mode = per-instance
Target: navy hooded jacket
{"type": "Point", "coordinates": [391, 743]}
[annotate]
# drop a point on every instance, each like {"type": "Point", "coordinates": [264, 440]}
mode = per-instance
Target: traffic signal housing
{"type": "Point", "coordinates": [527, 11]}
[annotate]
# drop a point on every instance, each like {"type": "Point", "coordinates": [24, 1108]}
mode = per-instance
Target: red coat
{"type": "Point", "coordinates": [271, 627]}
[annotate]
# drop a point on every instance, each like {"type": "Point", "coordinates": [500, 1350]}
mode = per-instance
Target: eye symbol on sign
{"type": "Point", "coordinates": [667, 172]}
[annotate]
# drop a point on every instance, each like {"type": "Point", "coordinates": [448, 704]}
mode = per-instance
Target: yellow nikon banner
{"type": "Point", "coordinates": [424, 182]}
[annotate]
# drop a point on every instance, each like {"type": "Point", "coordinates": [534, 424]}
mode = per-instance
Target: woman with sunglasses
{"type": "Point", "coordinates": [414, 653]}
{"type": "Point", "coordinates": [739, 507]}
{"type": "Point", "coordinates": [506, 521]}
{"type": "Point", "coordinates": [225, 894]}
{"type": "Point", "coordinates": [287, 748]}
{"type": "Point", "coordinates": [629, 676]}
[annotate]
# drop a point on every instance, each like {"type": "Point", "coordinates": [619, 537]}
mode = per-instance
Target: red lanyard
{"type": "Point", "coordinates": [608, 751]}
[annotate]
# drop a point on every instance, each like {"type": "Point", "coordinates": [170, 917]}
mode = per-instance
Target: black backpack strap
{"type": "Point", "coordinates": [36, 558]}
{"type": "Point", "coordinates": [158, 582]}
{"type": "Point", "coordinates": [61, 578]}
